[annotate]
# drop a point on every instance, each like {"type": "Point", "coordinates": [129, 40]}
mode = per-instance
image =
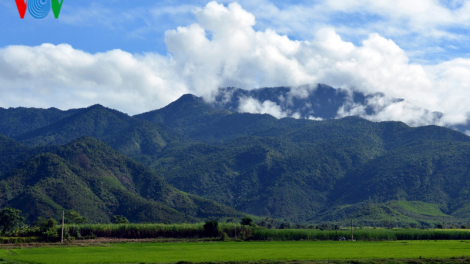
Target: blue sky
{"type": "Point", "coordinates": [139, 26]}
{"type": "Point", "coordinates": [137, 56]}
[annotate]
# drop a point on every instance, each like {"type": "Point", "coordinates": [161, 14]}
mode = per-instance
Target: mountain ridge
{"type": "Point", "coordinates": [294, 169]}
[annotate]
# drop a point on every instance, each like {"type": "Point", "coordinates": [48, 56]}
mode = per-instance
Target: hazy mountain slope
{"type": "Point", "coordinates": [95, 121]}
{"type": "Point", "coordinates": [322, 102]}
{"type": "Point", "coordinates": [317, 101]}
{"type": "Point", "coordinates": [17, 121]}
{"type": "Point", "coordinates": [130, 136]}
{"type": "Point", "coordinates": [90, 177]}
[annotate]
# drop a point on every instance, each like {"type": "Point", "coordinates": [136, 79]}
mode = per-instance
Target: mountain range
{"type": "Point", "coordinates": [194, 160]}
{"type": "Point", "coordinates": [323, 102]}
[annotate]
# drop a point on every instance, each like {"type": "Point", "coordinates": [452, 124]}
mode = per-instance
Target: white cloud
{"type": "Point", "coordinates": [60, 76]}
{"type": "Point", "coordinates": [387, 109]}
{"type": "Point", "coordinates": [223, 49]}
{"type": "Point", "coordinates": [426, 17]}
{"type": "Point", "coordinates": [315, 118]}
{"type": "Point", "coordinates": [251, 105]}
{"type": "Point", "coordinates": [422, 25]}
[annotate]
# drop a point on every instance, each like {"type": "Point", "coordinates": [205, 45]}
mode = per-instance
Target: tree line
{"type": "Point", "coordinates": [12, 223]}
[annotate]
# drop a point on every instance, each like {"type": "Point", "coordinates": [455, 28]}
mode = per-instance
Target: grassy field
{"type": "Point", "coordinates": [239, 251]}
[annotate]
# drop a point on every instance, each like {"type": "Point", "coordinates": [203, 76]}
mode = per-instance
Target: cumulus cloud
{"type": "Point", "coordinates": [60, 76]}
{"type": "Point", "coordinates": [224, 50]}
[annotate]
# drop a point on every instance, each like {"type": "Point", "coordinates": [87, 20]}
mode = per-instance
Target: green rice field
{"type": "Point", "coordinates": [239, 251]}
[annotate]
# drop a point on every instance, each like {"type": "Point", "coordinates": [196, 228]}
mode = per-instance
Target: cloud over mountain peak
{"type": "Point", "coordinates": [223, 49]}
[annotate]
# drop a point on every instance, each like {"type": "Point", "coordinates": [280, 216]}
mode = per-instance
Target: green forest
{"type": "Point", "coordinates": [189, 162]}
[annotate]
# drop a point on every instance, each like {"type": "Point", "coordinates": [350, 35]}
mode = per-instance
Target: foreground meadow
{"type": "Point", "coordinates": [239, 251]}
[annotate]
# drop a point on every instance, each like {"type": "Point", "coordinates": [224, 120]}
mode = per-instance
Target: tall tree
{"type": "Point", "coordinates": [10, 220]}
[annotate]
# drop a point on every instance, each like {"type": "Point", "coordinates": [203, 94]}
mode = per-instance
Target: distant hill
{"type": "Point", "coordinates": [99, 182]}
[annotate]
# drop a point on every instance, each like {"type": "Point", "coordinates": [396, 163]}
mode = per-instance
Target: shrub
{"type": "Point", "coordinates": [119, 219]}
{"type": "Point", "coordinates": [73, 217]}
{"type": "Point", "coordinates": [246, 221]}
{"type": "Point", "coordinates": [47, 227]}
{"type": "Point", "coordinates": [224, 237]}
{"type": "Point", "coordinates": [263, 224]}
{"type": "Point", "coordinates": [91, 236]}
{"type": "Point", "coordinates": [76, 233]}
{"type": "Point", "coordinates": [211, 228]}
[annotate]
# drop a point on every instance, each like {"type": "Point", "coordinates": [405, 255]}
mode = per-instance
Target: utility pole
{"type": "Point", "coordinates": [352, 235]}
{"type": "Point", "coordinates": [62, 235]}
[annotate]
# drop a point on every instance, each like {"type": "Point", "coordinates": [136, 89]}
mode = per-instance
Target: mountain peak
{"type": "Point", "coordinates": [185, 114]}
{"type": "Point", "coordinates": [189, 98]}
{"type": "Point", "coordinates": [95, 106]}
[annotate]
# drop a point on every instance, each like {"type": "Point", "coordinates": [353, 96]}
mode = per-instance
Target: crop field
{"type": "Point", "coordinates": [239, 251]}
{"type": "Point", "coordinates": [361, 234]}
{"type": "Point", "coordinates": [182, 231]}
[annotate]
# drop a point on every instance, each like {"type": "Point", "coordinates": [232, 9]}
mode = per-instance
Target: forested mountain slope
{"type": "Point", "coordinates": [300, 169]}
{"type": "Point", "coordinates": [88, 176]}
{"type": "Point", "coordinates": [295, 169]}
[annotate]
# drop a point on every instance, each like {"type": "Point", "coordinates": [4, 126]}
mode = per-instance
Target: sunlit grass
{"type": "Point", "coordinates": [240, 251]}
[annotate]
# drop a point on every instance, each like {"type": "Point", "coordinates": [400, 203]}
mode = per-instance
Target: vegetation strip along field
{"type": "Point", "coordinates": [142, 231]}
{"type": "Point", "coordinates": [239, 251]}
{"type": "Point", "coordinates": [361, 234]}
